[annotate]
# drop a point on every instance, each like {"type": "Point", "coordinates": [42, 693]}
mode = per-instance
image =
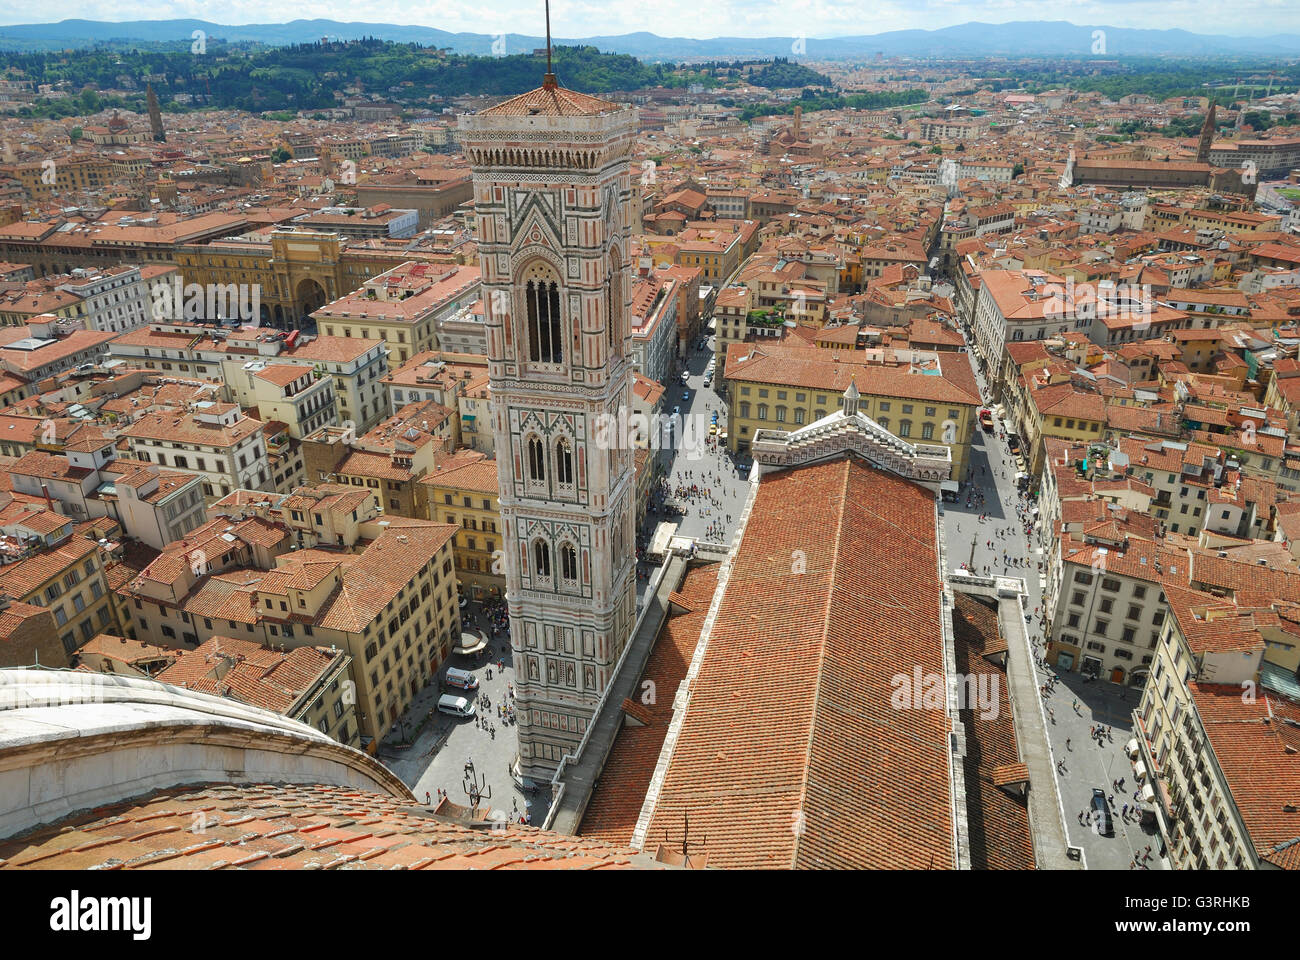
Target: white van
{"type": "Point", "coordinates": [456, 706]}
{"type": "Point", "coordinates": [462, 679]}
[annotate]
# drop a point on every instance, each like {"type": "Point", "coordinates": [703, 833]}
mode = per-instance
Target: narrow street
{"type": "Point", "coordinates": [1009, 542]}
{"type": "Point", "coordinates": [713, 509]}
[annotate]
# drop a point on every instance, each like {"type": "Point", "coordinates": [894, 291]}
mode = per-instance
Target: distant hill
{"type": "Point", "coordinates": [1024, 38]}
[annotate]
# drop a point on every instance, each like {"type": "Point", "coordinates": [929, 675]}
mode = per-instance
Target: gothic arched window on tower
{"type": "Point", "coordinates": [545, 328]}
{"type": "Point", "coordinates": [614, 307]}
{"type": "Point", "coordinates": [568, 562]}
{"type": "Point", "coordinates": [536, 459]}
{"type": "Point", "coordinates": [541, 559]}
{"type": "Point", "coordinates": [564, 463]}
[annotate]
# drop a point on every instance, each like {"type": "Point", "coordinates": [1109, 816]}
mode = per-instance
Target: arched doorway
{"type": "Point", "coordinates": [309, 298]}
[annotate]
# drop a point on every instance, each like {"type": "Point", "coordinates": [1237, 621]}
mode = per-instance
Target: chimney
{"type": "Point", "coordinates": [45, 492]}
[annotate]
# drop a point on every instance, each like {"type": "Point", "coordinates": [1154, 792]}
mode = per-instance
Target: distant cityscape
{"type": "Point", "coordinates": [558, 455]}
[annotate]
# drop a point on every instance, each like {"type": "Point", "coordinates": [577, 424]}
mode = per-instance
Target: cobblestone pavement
{"type": "Point", "coordinates": [437, 757]}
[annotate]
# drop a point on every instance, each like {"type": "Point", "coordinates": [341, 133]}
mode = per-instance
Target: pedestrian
{"type": "Point", "coordinates": [427, 799]}
{"type": "Point", "coordinates": [1124, 813]}
{"type": "Point", "coordinates": [1067, 744]}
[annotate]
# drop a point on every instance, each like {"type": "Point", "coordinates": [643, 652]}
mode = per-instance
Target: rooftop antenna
{"type": "Point", "coordinates": [548, 81]}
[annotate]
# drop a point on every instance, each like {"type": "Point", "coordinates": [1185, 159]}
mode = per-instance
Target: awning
{"type": "Point", "coordinates": [1148, 794]}
{"type": "Point", "coordinates": [1131, 748]}
{"type": "Point", "coordinates": [950, 486]}
{"type": "Point", "coordinates": [1140, 769]}
{"type": "Point", "coordinates": [471, 643]}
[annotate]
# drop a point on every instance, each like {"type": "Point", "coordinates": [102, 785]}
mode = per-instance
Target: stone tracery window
{"type": "Point", "coordinates": [568, 562]}
{"type": "Point", "coordinates": [545, 323]}
{"type": "Point", "coordinates": [536, 459]}
{"type": "Point", "coordinates": [564, 462]}
{"type": "Point", "coordinates": [541, 559]}
{"type": "Point", "coordinates": [614, 305]}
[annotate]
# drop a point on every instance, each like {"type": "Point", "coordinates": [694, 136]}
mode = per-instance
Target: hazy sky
{"type": "Point", "coordinates": [693, 18]}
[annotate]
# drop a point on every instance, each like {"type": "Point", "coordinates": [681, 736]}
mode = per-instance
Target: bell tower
{"type": "Point", "coordinates": [552, 198]}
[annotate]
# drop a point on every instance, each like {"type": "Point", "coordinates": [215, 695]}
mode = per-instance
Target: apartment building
{"type": "Point", "coordinates": [66, 579]}
{"type": "Point", "coordinates": [391, 607]}
{"type": "Point", "coordinates": [1196, 490]}
{"type": "Point", "coordinates": [356, 365]}
{"type": "Point", "coordinates": [214, 440]}
{"type": "Point", "coordinates": [1106, 606]}
{"type": "Point", "coordinates": [463, 491]}
{"type": "Point", "coordinates": [113, 300]}
{"type": "Point", "coordinates": [388, 459]}
{"type": "Point", "coordinates": [309, 684]}
{"type": "Point", "coordinates": [402, 307]}
{"type": "Point", "coordinates": [28, 635]}
{"type": "Point", "coordinates": [455, 380]}
{"type": "Point", "coordinates": [715, 249]}
{"type": "Point", "coordinates": [45, 347]}
{"type": "Point", "coordinates": [654, 326]}
{"type": "Point", "coordinates": [294, 394]}
{"type": "Point", "coordinates": [88, 480]}
{"type": "Point", "coordinates": [769, 386]}
{"type": "Point", "coordinates": [1215, 746]}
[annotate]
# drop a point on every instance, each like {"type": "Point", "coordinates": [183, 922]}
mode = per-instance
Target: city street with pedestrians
{"type": "Point", "coordinates": [456, 754]}
{"type": "Point", "coordinates": [994, 530]}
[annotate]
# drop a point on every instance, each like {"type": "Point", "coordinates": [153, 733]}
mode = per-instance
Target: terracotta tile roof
{"type": "Point", "coordinates": [284, 826]}
{"type": "Point", "coordinates": [551, 102]}
{"type": "Point", "coordinates": [249, 672]}
{"type": "Point", "coordinates": [1257, 745]}
{"type": "Point", "coordinates": [816, 369]}
{"type": "Point", "coordinates": [21, 578]}
{"type": "Point", "coordinates": [618, 795]}
{"type": "Point", "coordinates": [125, 649]}
{"type": "Point", "coordinates": [465, 470]}
{"type": "Point", "coordinates": [789, 752]}
{"type": "Point", "coordinates": [1000, 837]}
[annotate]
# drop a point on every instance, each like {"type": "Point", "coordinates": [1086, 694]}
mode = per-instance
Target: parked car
{"type": "Point", "coordinates": [1101, 807]}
